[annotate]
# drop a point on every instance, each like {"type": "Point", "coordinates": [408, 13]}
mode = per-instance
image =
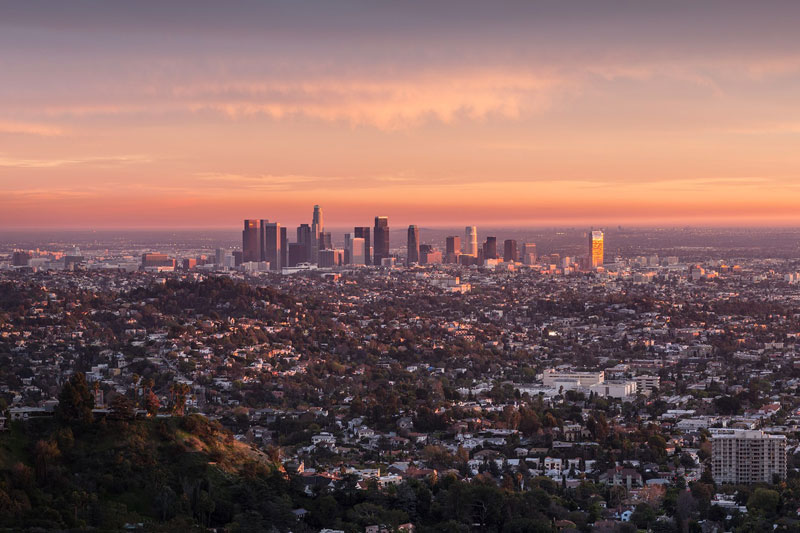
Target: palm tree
{"type": "Point", "coordinates": [178, 393]}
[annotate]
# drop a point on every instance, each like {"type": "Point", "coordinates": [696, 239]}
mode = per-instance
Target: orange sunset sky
{"type": "Point", "coordinates": [200, 114]}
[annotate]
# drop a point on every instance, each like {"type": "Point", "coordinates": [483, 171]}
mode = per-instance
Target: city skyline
{"type": "Point", "coordinates": [195, 114]}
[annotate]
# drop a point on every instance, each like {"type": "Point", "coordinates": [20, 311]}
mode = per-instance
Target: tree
{"type": "Point", "coordinates": [151, 403]}
{"type": "Point", "coordinates": [179, 392]}
{"type": "Point", "coordinates": [121, 408]}
{"type": "Point", "coordinates": [75, 403]}
{"type": "Point", "coordinates": [643, 515]}
{"type": "Point", "coordinates": [45, 452]}
{"type": "Point", "coordinates": [764, 501]}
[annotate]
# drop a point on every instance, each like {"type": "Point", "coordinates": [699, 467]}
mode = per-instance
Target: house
{"type": "Point", "coordinates": [621, 476]}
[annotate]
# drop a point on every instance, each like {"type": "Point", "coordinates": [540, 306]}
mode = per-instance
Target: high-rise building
{"type": "Point", "coordinates": [596, 249]}
{"type": "Point", "coordinates": [471, 241]}
{"type": "Point", "coordinates": [490, 248]}
{"type": "Point", "coordinates": [251, 241]}
{"type": "Point", "coordinates": [529, 253]}
{"type": "Point", "coordinates": [452, 249]}
{"type": "Point", "coordinates": [510, 250]}
{"type": "Point", "coordinates": [362, 232]}
{"type": "Point", "coordinates": [354, 250]}
{"type": "Point", "coordinates": [742, 456]}
{"type": "Point", "coordinates": [305, 238]}
{"type": "Point", "coordinates": [284, 255]}
{"type": "Point", "coordinates": [413, 245]}
{"type": "Point", "coordinates": [271, 244]}
{"type": "Point", "coordinates": [325, 241]}
{"type": "Point", "coordinates": [317, 227]}
{"type": "Point", "coordinates": [381, 235]}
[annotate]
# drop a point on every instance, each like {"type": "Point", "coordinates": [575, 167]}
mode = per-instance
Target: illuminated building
{"type": "Point", "coordinates": [596, 249]}
{"type": "Point", "coordinates": [453, 249]}
{"type": "Point", "coordinates": [251, 243]}
{"type": "Point", "coordinates": [362, 232]}
{"type": "Point", "coordinates": [471, 241]}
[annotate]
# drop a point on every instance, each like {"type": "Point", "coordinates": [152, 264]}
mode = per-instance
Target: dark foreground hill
{"type": "Point", "coordinates": [168, 474]}
{"type": "Point", "coordinates": [189, 474]}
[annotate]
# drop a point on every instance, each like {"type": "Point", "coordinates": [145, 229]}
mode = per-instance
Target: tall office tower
{"type": "Point", "coordinates": [413, 245]}
{"type": "Point", "coordinates": [271, 247]}
{"type": "Point", "coordinates": [747, 456]}
{"type": "Point", "coordinates": [251, 241]}
{"type": "Point", "coordinates": [362, 232]}
{"type": "Point", "coordinates": [284, 247]}
{"type": "Point", "coordinates": [381, 235]}
{"type": "Point", "coordinates": [471, 241]}
{"type": "Point", "coordinates": [452, 249]}
{"type": "Point", "coordinates": [529, 253]}
{"type": "Point", "coordinates": [325, 241]}
{"type": "Point", "coordinates": [304, 237]}
{"type": "Point", "coordinates": [355, 250]}
{"type": "Point", "coordinates": [317, 227]}
{"type": "Point", "coordinates": [510, 250]}
{"type": "Point", "coordinates": [596, 249]}
{"type": "Point", "coordinates": [348, 237]}
{"type": "Point", "coordinates": [490, 248]}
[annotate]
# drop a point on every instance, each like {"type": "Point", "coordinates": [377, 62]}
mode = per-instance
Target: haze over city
{"type": "Point", "coordinates": [200, 114]}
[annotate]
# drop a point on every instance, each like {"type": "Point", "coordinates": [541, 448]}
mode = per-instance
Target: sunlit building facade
{"type": "Point", "coordinates": [596, 249]}
{"type": "Point", "coordinates": [471, 241]}
{"type": "Point", "coordinates": [251, 243]}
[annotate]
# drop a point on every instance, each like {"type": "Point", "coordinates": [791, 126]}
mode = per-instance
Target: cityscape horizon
{"type": "Point", "coordinates": [346, 266]}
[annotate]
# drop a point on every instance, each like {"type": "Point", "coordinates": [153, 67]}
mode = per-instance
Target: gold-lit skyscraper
{"type": "Point", "coordinates": [596, 249]}
{"type": "Point", "coordinates": [471, 241]}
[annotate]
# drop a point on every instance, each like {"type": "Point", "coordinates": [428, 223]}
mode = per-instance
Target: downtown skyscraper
{"type": "Point", "coordinates": [471, 241]}
{"type": "Point", "coordinates": [362, 232]}
{"type": "Point", "coordinates": [596, 249]}
{"type": "Point", "coordinates": [510, 251]}
{"type": "Point", "coordinates": [413, 245]}
{"type": "Point", "coordinates": [271, 250]}
{"type": "Point", "coordinates": [317, 227]}
{"type": "Point", "coordinates": [251, 241]}
{"type": "Point", "coordinates": [381, 235]}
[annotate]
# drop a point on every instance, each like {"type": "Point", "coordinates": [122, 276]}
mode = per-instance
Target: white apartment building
{"type": "Point", "coordinates": [747, 456]}
{"type": "Point", "coordinates": [620, 390]}
{"type": "Point", "coordinates": [554, 378]}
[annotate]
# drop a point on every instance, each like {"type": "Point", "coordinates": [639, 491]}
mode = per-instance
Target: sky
{"type": "Point", "coordinates": [201, 114]}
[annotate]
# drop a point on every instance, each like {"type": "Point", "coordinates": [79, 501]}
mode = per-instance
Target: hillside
{"type": "Point", "coordinates": [167, 473]}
